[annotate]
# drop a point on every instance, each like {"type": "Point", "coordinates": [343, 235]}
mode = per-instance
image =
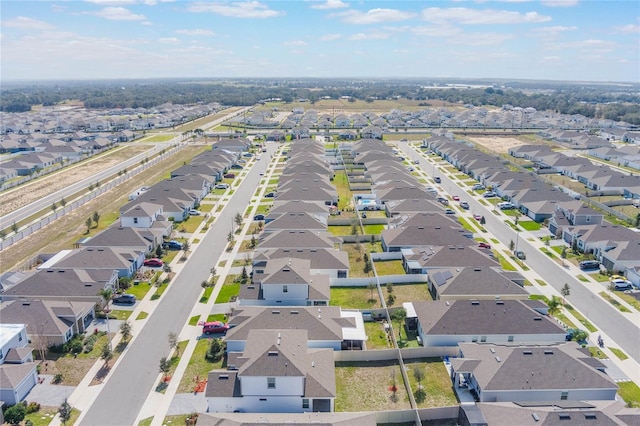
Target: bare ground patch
{"type": "Point", "coordinates": [62, 233]}
{"type": "Point", "coordinates": [497, 144]}
{"type": "Point", "coordinates": [26, 194]}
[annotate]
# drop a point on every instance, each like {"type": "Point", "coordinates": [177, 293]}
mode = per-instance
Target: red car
{"type": "Point", "coordinates": [477, 216]}
{"type": "Point", "coordinates": [484, 245]}
{"type": "Point", "coordinates": [153, 262]}
{"type": "Point", "coordinates": [456, 198]}
{"type": "Point", "coordinates": [214, 327]}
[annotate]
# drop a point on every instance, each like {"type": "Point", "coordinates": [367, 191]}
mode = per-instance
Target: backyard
{"type": "Point", "coordinates": [367, 298]}
{"type": "Point", "coordinates": [438, 391]}
{"type": "Point", "coordinates": [369, 386]}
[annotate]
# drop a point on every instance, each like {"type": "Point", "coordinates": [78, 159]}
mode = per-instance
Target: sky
{"type": "Point", "coordinates": [576, 40]}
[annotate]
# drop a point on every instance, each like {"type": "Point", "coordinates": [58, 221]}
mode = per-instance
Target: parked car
{"type": "Point", "coordinates": [258, 217]}
{"type": "Point", "coordinates": [229, 176]}
{"type": "Point", "coordinates": [505, 205]}
{"type": "Point", "coordinates": [621, 284]}
{"type": "Point", "coordinates": [173, 245]}
{"type": "Point", "coordinates": [477, 217]}
{"type": "Point", "coordinates": [464, 205]}
{"type": "Point", "coordinates": [477, 187]}
{"type": "Point", "coordinates": [236, 166]}
{"type": "Point", "coordinates": [520, 254]}
{"type": "Point", "coordinates": [215, 327]}
{"type": "Point", "coordinates": [443, 200]}
{"type": "Point", "coordinates": [222, 186]}
{"type": "Point", "coordinates": [589, 264]}
{"type": "Point", "coordinates": [194, 212]}
{"type": "Point", "coordinates": [489, 194]}
{"type": "Point", "coordinates": [270, 194]}
{"type": "Point", "coordinates": [484, 245]}
{"type": "Point", "coordinates": [437, 179]}
{"type": "Point", "coordinates": [416, 161]}
{"type": "Point", "coordinates": [449, 211]}
{"type": "Point", "coordinates": [125, 299]}
{"type": "Point", "coordinates": [261, 172]}
{"type": "Point", "coordinates": [455, 198]}
{"type": "Point", "coordinates": [153, 262]}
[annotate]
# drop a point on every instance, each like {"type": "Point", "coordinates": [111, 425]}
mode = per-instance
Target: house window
{"type": "Point", "coordinates": [271, 382]}
{"type": "Point", "coordinates": [483, 339]}
{"type": "Point", "coordinates": [474, 340]}
{"type": "Point", "coordinates": [564, 395]}
{"type": "Point", "coordinates": [285, 289]}
{"type": "Point", "coordinates": [135, 220]}
{"type": "Point", "coordinates": [342, 274]}
{"type": "Point", "coordinates": [510, 339]}
{"type": "Point", "coordinates": [588, 219]}
{"type": "Point", "coordinates": [20, 337]}
{"type": "Point", "coordinates": [305, 403]}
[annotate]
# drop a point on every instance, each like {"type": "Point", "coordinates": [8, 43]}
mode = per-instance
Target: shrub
{"type": "Point", "coordinates": [33, 407]}
{"type": "Point", "coordinates": [57, 378]}
{"type": "Point", "coordinates": [74, 346]}
{"type": "Point", "coordinates": [15, 414]}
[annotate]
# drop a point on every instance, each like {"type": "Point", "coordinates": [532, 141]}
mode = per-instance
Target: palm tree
{"type": "Point", "coordinates": [399, 315]}
{"type": "Point", "coordinates": [554, 305]}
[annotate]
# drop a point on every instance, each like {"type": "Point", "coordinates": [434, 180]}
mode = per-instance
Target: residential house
{"type": "Point", "coordinates": [286, 282]}
{"type": "Point", "coordinates": [327, 326]}
{"type": "Point", "coordinates": [331, 262]}
{"type": "Point", "coordinates": [276, 372]}
{"type": "Point", "coordinates": [562, 372]}
{"type": "Point", "coordinates": [475, 283]}
{"type": "Point", "coordinates": [448, 323]}
{"type": "Point", "coordinates": [421, 259]}
{"type": "Point", "coordinates": [18, 373]}
{"type": "Point", "coordinates": [122, 259]}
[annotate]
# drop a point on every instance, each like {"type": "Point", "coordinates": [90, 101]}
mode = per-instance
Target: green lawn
{"type": "Point", "coordinates": [374, 229]}
{"type": "Point", "coordinates": [377, 337]}
{"type": "Point", "coordinates": [506, 265]}
{"type": "Point", "coordinates": [139, 290]}
{"type": "Point", "coordinates": [438, 390]}
{"type": "Point", "coordinates": [529, 225]}
{"type": "Point", "coordinates": [120, 314]}
{"type": "Point", "coordinates": [581, 318]}
{"type": "Point", "coordinates": [339, 230]}
{"type": "Point", "coordinates": [389, 267]}
{"type": "Point", "coordinates": [364, 298]}
{"type": "Point", "coordinates": [206, 295]}
{"type": "Point", "coordinates": [159, 290]}
{"type": "Point", "coordinates": [142, 315]}
{"type": "Point", "coordinates": [614, 302]}
{"type": "Point", "coordinates": [194, 320]}
{"type": "Point", "coordinates": [630, 392]}
{"type": "Point", "coordinates": [617, 352]}
{"type": "Point", "coordinates": [540, 282]}
{"type": "Point", "coordinates": [227, 292]}
{"type": "Point", "coordinates": [198, 367]}
{"type": "Point", "coordinates": [341, 181]}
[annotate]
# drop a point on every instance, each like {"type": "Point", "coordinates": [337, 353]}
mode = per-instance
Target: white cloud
{"type": "Point", "coordinates": [118, 14]}
{"type": "Point", "coordinates": [330, 4]}
{"type": "Point", "coordinates": [466, 16]}
{"type": "Point", "coordinates": [559, 3]}
{"type": "Point", "coordinates": [294, 43]}
{"type": "Point", "coordinates": [555, 29]}
{"type": "Point", "coordinates": [25, 23]}
{"type": "Point", "coordinates": [168, 40]}
{"type": "Point", "coordinates": [480, 39]}
{"type": "Point", "coordinates": [250, 9]}
{"type": "Point", "coordinates": [437, 31]}
{"type": "Point", "coordinates": [369, 36]}
{"type": "Point", "coordinates": [629, 28]}
{"type": "Point", "coordinates": [374, 16]}
{"type": "Point", "coordinates": [330, 37]}
{"type": "Point", "coordinates": [196, 32]}
{"type": "Point", "coordinates": [124, 2]}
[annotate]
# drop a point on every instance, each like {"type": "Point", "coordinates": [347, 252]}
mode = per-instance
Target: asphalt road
{"type": "Point", "coordinates": [599, 312]}
{"type": "Point", "coordinates": [125, 392]}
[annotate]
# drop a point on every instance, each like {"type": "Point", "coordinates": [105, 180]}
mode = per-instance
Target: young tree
{"type": "Point", "coordinates": [254, 241]}
{"type": "Point", "coordinates": [483, 221]}
{"type": "Point", "coordinates": [563, 254]}
{"type": "Point", "coordinates": [88, 222]}
{"type": "Point", "coordinates": [125, 330]}
{"type": "Point", "coordinates": [14, 228]}
{"type": "Point", "coordinates": [367, 263]}
{"type": "Point", "coordinates": [173, 342]}
{"type": "Point", "coordinates": [512, 245]}
{"type": "Point", "coordinates": [554, 305]}
{"type": "Point", "coordinates": [106, 354]}
{"type": "Point", "coordinates": [371, 287]}
{"type": "Point", "coordinates": [3, 234]}
{"type": "Point", "coordinates": [96, 218]}
{"type": "Point", "coordinates": [63, 202]}
{"type": "Point", "coordinates": [186, 246]}
{"type": "Point", "coordinates": [245, 275]}
{"type": "Point", "coordinates": [399, 315]}
{"type": "Point", "coordinates": [566, 290]}
{"type": "Point", "coordinates": [238, 220]}
{"type": "Point", "coordinates": [165, 365]}
{"type": "Point", "coordinates": [159, 250]}
{"type": "Point", "coordinates": [230, 237]}
{"type": "Point", "coordinates": [54, 206]}
{"type": "Point", "coordinates": [216, 350]}
{"type": "Point", "coordinates": [418, 374]}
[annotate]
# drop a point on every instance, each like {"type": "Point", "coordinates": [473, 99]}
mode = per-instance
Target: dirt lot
{"type": "Point", "coordinates": [497, 144]}
{"type": "Point", "coordinates": [68, 229]}
{"type": "Point", "coordinates": [30, 192]}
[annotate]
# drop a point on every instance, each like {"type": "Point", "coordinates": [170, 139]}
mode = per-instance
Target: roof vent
{"type": "Point", "coordinates": [475, 302]}
{"type": "Point", "coordinates": [273, 353]}
{"type": "Point", "coordinates": [548, 352]}
{"type": "Point", "coordinates": [535, 417]}
{"type": "Point", "coordinates": [223, 377]}
{"type": "Point", "coordinates": [537, 318]}
{"type": "Point", "coordinates": [275, 312]}
{"type": "Point", "coordinates": [527, 352]}
{"type": "Point", "coordinates": [294, 312]}
{"type": "Point", "coordinates": [493, 351]}
{"type": "Point", "coordinates": [498, 359]}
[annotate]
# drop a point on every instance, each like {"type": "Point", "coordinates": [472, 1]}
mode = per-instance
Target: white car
{"type": "Point", "coordinates": [261, 172]}
{"type": "Point", "coordinates": [194, 212]}
{"type": "Point", "coordinates": [222, 186]}
{"type": "Point", "coordinates": [621, 284]}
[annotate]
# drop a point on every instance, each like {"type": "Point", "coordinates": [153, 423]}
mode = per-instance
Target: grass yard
{"type": "Point", "coordinates": [120, 314]}
{"type": "Point", "coordinates": [159, 290]}
{"type": "Point", "coordinates": [377, 337]}
{"type": "Point", "coordinates": [540, 282]}
{"type": "Point", "coordinates": [438, 390]}
{"type": "Point", "coordinates": [374, 229]}
{"type": "Point", "coordinates": [354, 297]}
{"type": "Point", "coordinates": [341, 181]}
{"type": "Point", "coordinates": [198, 367]}
{"type": "Point", "coordinates": [582, 278]}
{"type": "Point", "coordinates": [596, 352]}
{"type": "Point", "coordinates": [389, 267]}
{"type": "Point", "coordinates": [367, 386]}
{"type": "Point", "coordinates": [630, 300]}
{"type": "Point", "coordinates": [506, 265]}
{"type": "Point", "coordinates": [529, 225]}
{"type": "Point", "coordinates": [194, 320]}
{"type": "Point", "coordinates": [630, 392]}
{"type": "Point", "coordinates": [139, 290]}
{"type": "Point", "coordinates": [158, 138]}
{"type": "Point", "coordinates": [227, 292]}
{"type": "Point", "coordinates": [466, 225]}
{"type": "Point", "coordinates": [142, 315]}
{"type": "Point", "coordinates": [356, 262]}
{"type": "Point", "coordinates": [339, 230]}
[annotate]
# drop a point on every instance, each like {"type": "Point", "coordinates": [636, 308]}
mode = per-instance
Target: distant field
{"type": "Point", "coordinates": [343, 105]}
